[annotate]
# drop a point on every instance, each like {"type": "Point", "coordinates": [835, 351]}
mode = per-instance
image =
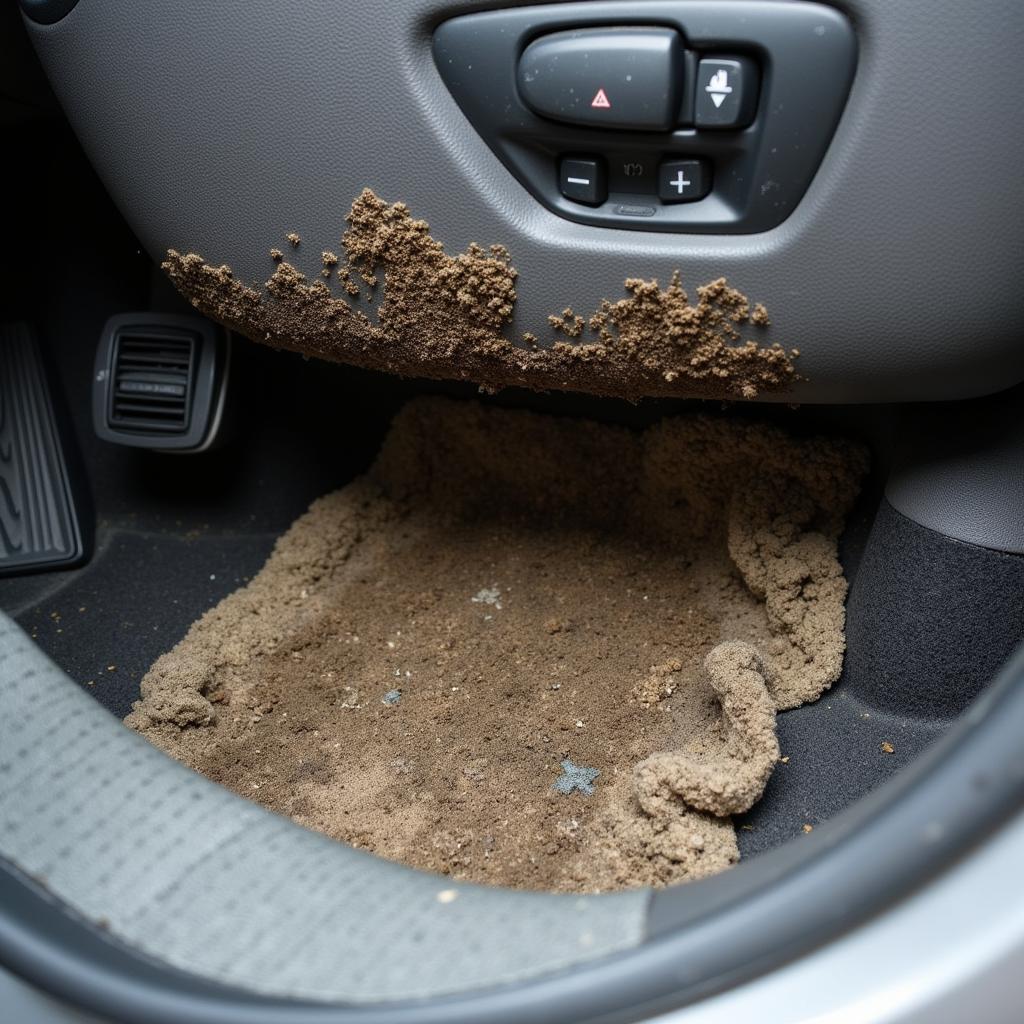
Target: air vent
{"type": "Point", "coordinates": [152, 382]}
{"type": "Point", "coordinates": [160, 381]}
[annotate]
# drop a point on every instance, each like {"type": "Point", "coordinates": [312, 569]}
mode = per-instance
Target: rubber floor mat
{"type": "Point", "coordinates": [526, 650]}
{"type": "Point", "coordinates": [38, 522]}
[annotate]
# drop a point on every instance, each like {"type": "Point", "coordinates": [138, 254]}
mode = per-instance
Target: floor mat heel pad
{"type": "Point", "coordinates": [39, 527]}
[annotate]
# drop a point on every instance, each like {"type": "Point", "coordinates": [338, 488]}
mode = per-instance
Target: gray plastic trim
{"type": "Point", "coordinates": [28, 1005]}
{"type": "Point", "coordinates": [219, 129]}
{"type": "Point", "coordinates": [949, 954]}
{"type": "Point", "coordinates": [47, 12]}
{"type": "Point", "coordinates": [959, 470]}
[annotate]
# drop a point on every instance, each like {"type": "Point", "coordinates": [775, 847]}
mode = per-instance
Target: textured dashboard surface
{"type": "Point", "coordinates": [218, 129]}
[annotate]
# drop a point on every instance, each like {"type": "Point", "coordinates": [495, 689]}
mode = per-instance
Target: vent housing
{"type": "Point", "coordinates": [159, 381]}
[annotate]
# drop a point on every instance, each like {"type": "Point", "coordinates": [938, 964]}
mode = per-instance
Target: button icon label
{"type": "Point", "coordinates": [601, 101]}
{"type": "Point", "coordinates": [718, 88]}
{"type": "Point", "coordinates": [633, 170]}
{"type": "Point", "coordinates": [726, 92]}
{"type": "Point", "coordinates": [680, 181]}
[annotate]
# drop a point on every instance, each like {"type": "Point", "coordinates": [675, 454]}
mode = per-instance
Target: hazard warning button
{"type": "Point", "coordinates": [615, 77]}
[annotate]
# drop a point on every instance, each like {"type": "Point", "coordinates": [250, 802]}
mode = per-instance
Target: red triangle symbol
{"type": "Point", "coordinates": [601, 100]}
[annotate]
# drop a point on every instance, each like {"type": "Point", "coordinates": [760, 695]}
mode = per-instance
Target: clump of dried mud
{"type": "Point", "coordinates": [504, 592]}
{"type": "Point", "coordinates": [443, 317]}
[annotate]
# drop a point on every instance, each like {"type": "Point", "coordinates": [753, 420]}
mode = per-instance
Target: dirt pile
{"type": "Point", "coordinates": [527, 650]}
{"type": "Point", "coordinates": [443, 317]}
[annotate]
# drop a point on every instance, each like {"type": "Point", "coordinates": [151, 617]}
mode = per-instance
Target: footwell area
{"type": "Point", "coordinates": [159, 569]}
{"type": "Point", "coordinates": [106, 624]}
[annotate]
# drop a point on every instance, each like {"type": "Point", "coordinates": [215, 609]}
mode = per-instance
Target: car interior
{"type": "Point", "coordinates": [511, 512]}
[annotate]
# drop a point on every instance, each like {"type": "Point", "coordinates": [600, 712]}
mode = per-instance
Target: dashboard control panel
{"type": "Point", "coordinates": [693, 115]}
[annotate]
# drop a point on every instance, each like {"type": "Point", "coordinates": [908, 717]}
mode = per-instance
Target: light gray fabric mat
{"type": "Point", "coordinates": [189, 874]}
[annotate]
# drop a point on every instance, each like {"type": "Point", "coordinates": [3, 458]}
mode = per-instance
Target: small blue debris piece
{"type": "Point", "coordinates": [575, 776]}
{"type": "Point", "coordinates": [392, 697]}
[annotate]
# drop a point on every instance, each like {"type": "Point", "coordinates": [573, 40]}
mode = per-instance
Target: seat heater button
{"type": "Point", "coordinates": [682, 181]}
{"type": "Point", "coordinates": [616, 78]}
{"type": "Point", "coordinates": [583, 180]}
{"type": "Point", "coordinates": [726, 93]}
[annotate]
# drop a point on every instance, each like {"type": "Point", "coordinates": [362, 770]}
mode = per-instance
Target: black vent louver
{"type": "Point", "coordinates": [160, 381]}
{"type": "Point", "coordinates": [151, 382]}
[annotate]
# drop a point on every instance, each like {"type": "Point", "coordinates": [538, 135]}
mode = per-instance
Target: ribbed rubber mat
{"type": "Point", "coordinates": [38, 525]}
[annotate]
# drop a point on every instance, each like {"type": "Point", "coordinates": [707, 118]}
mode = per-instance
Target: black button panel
{"type": "Point", "coordinates": [583, 180]}
{"type": "Point", "coordinates": [683, 181]}
{"type": "Point", "coordinates": [726, 92]}
{"type": "Point", "coordinates": [662, 113]}
{"type": "Point", "coordinates": [634, 79]}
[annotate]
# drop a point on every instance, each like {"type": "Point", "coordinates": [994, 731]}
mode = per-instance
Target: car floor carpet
{"type": "Point", "coordinates": [526, 650]}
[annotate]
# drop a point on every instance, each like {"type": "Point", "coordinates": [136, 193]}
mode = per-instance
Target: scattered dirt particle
{"type": "Point", "coordinates": [568, 323]}
{"type": "Point", "coordinates": [887, 747]}
{"type": "Point", "coordinates": [808, 828]}
{"type": "Point", "coordinates": [276, 255]}
{"type": "Point", "coordinates": [345, 276]}
{"type": "Point", "coordinates": [444, 317]}
{"type": "Point", "coordinates": [293, 239]}
{"type": "Point", "coordinates": [659, 683]}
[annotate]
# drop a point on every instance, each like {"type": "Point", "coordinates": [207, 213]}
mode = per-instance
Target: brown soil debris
{"type": "Point", "coordinates": [723, 768]}
{"type": "Point", "coordinates": [659, 683]}
{"type": "Point", "coordinates": [568, 323]}
{"type": "Point", "coordinates": [509, 601]}
{"type": "Point", "coordinates": [329, 261]}
{"type": "Point", "coordinates": [443, 317]}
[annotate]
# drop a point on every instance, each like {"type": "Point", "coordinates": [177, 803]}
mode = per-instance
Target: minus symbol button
{"type": "Point", "coordinates": [582, 179]}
